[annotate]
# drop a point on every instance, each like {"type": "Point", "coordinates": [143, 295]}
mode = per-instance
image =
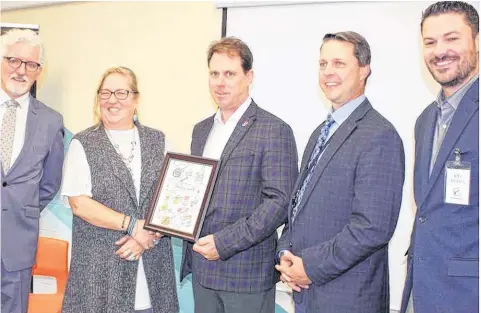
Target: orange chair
{"type": "Point", "coordinates": [52, 261]}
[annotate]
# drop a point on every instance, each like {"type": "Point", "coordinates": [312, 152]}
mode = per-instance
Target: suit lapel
{"type": "Point", "coordinates": [305, 158]}
{"type": "Point", "coordinates": [201, 135]}
{"type": "Point", "coordinates": [465, 111]}
{"type": "Point", "coordinates": [118, 166]}
{"type": "Point", "coordinates": [335, 142]}
{"type": "Point", "coordinates": [239, 132]}
{"type": "Point", "coordinates": [32, 121]}
{"type": "Point", "coordinates": [426, 149]}
{"type": "Point", "coordinates": [310, 147]}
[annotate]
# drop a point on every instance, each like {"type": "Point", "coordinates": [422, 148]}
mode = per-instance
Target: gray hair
{"type": "Point", "coordinates": [15, 35]}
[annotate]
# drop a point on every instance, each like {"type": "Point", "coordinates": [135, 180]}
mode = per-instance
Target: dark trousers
{"type": "Point", "coordinates": [214, 301]}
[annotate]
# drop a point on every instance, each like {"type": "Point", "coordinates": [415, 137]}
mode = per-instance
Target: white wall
{"type": "Point", "coordinates": [285, 41]}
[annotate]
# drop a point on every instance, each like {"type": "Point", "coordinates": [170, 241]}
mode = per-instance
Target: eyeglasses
{"type": "Point", "coordinates": [15, 63]}
{"type": "Point", "coordinates": [120, 94]}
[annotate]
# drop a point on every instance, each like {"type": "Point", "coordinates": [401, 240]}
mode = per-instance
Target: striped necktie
{"type": "Point", "coordinates": [313, 160]}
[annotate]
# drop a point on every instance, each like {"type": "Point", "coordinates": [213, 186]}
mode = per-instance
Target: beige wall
{"type": "Point", "coordinates": [163, 42]}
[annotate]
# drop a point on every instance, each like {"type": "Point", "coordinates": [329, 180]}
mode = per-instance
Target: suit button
{"type": "Point", "coordinates": [422, 219]}
{"type": "Point", "coordinates": [4, 184]}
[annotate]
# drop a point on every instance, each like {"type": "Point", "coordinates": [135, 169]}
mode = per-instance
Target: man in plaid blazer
{"type": "Point", "coordinates": [233, 261]}
{"type": "Point", "coordinates": [334, 249]}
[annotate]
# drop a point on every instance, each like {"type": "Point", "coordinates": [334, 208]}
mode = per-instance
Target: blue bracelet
{"type": "Point", "coordinates": [130, 228]}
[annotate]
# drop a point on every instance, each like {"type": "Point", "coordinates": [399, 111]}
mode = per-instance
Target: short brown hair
{"type": "Point", "coordinates": [467, 10]}
{"type": "Point", "coordinates": [362, 50]}
{"type": "Point", "coordinates": [232, 46]}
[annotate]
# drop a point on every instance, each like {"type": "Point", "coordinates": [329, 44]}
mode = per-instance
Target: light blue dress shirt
{"type": "Point", "coordinates": [341, 115]}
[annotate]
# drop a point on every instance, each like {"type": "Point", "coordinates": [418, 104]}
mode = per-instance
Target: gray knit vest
{"type": "Point", "coordinates": [99, 281]}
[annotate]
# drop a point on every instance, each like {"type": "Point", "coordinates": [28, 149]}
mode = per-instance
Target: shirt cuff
{"type": "Point", "coordinates": [279, 254]}
{"type": "Point", "coordinates": [64, 198]}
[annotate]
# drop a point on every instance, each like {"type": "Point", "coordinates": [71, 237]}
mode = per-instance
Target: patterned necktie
{"type": "Point", "coordinates": [315, 156]}
{"type": "Point", "coordinates": [8, 133]}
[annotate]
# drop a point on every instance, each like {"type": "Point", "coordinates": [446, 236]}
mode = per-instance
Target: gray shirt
{"type": "Point", "coordinates": [446, 109]}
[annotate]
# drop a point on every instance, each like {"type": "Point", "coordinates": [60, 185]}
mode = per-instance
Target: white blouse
{"type": "Point", "coordinates": [77, 181]}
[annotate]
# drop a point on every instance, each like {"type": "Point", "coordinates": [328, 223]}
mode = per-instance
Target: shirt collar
{"type": "Point", "coordinates": [456, 97]}
{"type": "Point", "coordinates": [237, 114]}
{"type": "Point", "coordinates": [341, 114]}
{"type": "Point", "coordinates": [22, 100]}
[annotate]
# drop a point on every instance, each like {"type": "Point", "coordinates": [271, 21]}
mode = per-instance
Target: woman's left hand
{"type": "Point", "coordinates": [130, 249]}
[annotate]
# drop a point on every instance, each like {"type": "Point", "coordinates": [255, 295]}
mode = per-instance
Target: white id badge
{"type": "Point", "coordinates": [457, 180]}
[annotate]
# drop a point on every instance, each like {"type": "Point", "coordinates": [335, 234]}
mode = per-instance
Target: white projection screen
{"type": "Point", "coordinates": [285, 39]}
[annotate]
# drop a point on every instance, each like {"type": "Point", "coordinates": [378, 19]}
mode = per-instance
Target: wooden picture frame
{"type": "Point", "coordinates": [182, 196]}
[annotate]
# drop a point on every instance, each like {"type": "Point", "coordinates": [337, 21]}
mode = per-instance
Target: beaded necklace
{"type": "Point", "coordinates": [127, 160]}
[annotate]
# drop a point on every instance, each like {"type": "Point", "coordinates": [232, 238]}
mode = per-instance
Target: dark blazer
{"type": "Point", "coordinates": [30, 184]}
{"type": "Point", "coordinates": [348, 214]}
{"type": "Point", "coordinates": [443, 257]}
{"type": "Point", "coordinates": [249, 202]}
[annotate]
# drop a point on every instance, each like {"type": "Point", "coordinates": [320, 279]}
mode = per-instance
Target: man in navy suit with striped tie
{"type": "Point", "coordinates": [334, 250]}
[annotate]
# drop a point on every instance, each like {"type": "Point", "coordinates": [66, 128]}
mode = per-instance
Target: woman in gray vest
{"type": "Point", "coordinates": [110, 174]}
